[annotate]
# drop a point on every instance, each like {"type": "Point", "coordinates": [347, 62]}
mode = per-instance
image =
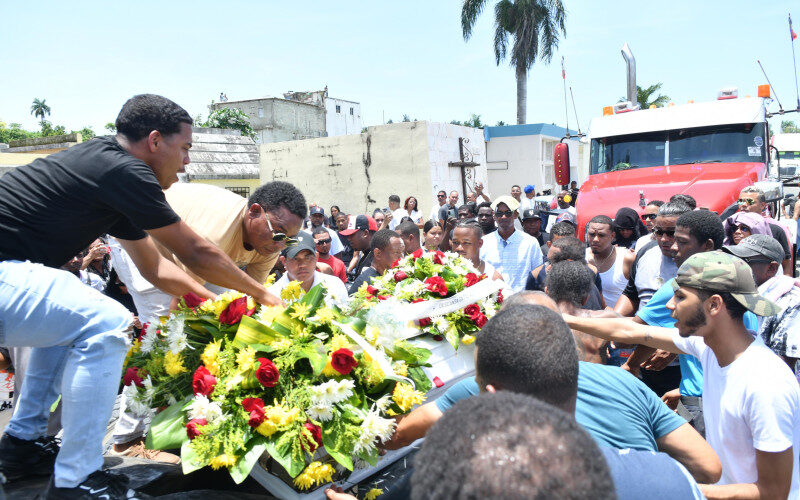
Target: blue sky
{"type": "Point", "coordinates": [409, 57]}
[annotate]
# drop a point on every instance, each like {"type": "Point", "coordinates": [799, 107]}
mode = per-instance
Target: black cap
{"type": "Point", "coordinates": [531, 213]}
{"type": "Point", "coordinates": [304, 242]}
{"type": "Point", "coordinates": [316, 210]}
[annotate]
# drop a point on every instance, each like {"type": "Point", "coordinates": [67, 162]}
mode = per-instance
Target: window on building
{"type": "Point", "coordinates": [338, 109]}
{"type": "Point", "coordinates": [241, 191]}
{"type": "Point", "coordinates": [549, 150]}
{"type": "Point", "coordinates": [261, 112]}
{"type": "Point", "coordinates": [351, 111]}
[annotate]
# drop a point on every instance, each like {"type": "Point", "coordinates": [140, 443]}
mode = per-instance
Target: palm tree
{"type": "Point", "coordinates": [40, 109]}
{"type": "Point", "coordinates": [535, 26]}
{"type": "Point", "coordinates": [643, 97]}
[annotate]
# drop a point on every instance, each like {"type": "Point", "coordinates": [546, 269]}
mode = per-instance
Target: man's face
{"type": "Point", "coordinates": [317, 220]}
{"type": "Point", "coordinates": [323, 242]}
{"type": "Point", "coordinates": [392, 252]}
{"type": "Point", "coordinates": [466, 243]}
{"type": "Point", "coordinates": [664, 229]}
{"type": "Point", "coordinates": [486, 218]}
{"type": "Point", "coordinates": [685, 245]}
{"type": "Point", "coordinates": [649, 216]}
{"type": "Point", "coordinates": [532, 225]}
{"type": "Point", "coordinates": [463, 213]}
{"type": "Point", "coordinates": [394, 205]}
{"type": "Point", "coordinates": [341, 222]}
{"type": "Point", "coordinates": [687, 308]}
{"type": "Point", "coordinates": [360, 240]}
{"type": "Point", "coordinates": [73, 265]}
{"type": "Point", "coordinates": [762, 269]}
{"type": "Point", "coordinates": [599, 236]}
{"type": "Point", "coordinates": [471, 197]}
{"type": "Point", "coordinates": [302, 266]}
{"type": "Point", "coordinates": [516, 192]}
{"type": "Point", "coordinates": [504, 218]}
{"type": "Point", "coordinates": [552, 251]}
{"type": "Point", "coordinates": [171, 155]}
{"type": "Point", "coordinates": [410, 243]}
{"type": "Point", "coordinates": [441, 197]}
{"type": "Point", "coordinates": [258, 234]}
{"type": "Point", "coordinates": [453, 198]}
{"type": "Point", "coordinates": [748, 202]}
{"type": "Point", "coordinates": [561, 202]}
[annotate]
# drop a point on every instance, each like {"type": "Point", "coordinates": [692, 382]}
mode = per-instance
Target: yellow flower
{"type": "Point", "coordinates": [281, 344]}
{"type": "Point", "coordinates": [277, 417]}
{"type": "Point", "coordinates": [371, 371]}
{"type": "Point", "coordinates": [251, 303]}
{"type": "Point", "coordinates": [339, 341]}
{"type": "Point", "coordinates": [373, 494]}
{"type": "Point", "coordinates": [371, 334]}
{"type": "Point", "coordinates": [293, 291]}
{"type": "Point", "coordinates": [135, 346]}
{"type": "Point", "coordinates": [300, 311]}
{"type": "Point", "coordinates": [328, 371]}
{"type": "Point", "coordinates": [173, 364]}
{"type": "Point", "coordinates": [315, 473]}
{"type": "Point", "coordinates": [406, 396]}
{"type": "Point", "coordinates": [400, 368]}
{"type": "Point", "coordinates": [246, 358]}
{"type": "Point", "coordinates": [467, 339]}
{"type": "Point", "coordinates": [269, 313]}
{"type": "Point", "coordinates": [270, 280]}
{"type": "Point", "coordinates": [215, 307]}
{"type": "Point", "coordinates": [224, 460]}
{"type": "Point", "coordinates": [325, 315]}
{"type": "Point", "coordinates": [210, 357]}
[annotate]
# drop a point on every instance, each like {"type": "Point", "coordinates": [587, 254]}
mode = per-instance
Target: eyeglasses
{"type": "Point", "coordinates": [747, 201]}
{"type": "Point", "coordinates": [503, 213]}
{"type": "Point", "coordinates": [743, 228]}
{"type": "Point", "coordinates": [324, 242]}
{"type": "Point", "coordinates": [649, 216]}
{"type": "Point", "coordinates": [441, 195]}
{"type": "Point", "coordinates": [662, 232]}
{"type": "Point", "coordinates": [288, 240]}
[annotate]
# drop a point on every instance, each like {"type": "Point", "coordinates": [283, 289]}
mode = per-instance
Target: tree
{"type": "Point", "coordinates": [86, 133]}
{"type": "Point", "coordinates": [534, 25]}
{"type": "Point", "coordinates": [644, 97]}
{"type": "Point", "coordinates": [500, 123]}
{"type": "Point", "coordinates": [112, 129]}
{"type": "Point", "coordinates": [49, 130]}
{"type": "Point", "coordinates": [233, 118]}
{"type": "Point", "coordinates": [473, 121]}
{"type": "Point", "coordinates": [788, 127]}
{"type": "Point", "coordinates": [40, 110]}
{"type": "Point", "coordinates": [14, 132]}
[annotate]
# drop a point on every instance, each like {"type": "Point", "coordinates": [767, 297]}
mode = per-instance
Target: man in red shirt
{"type": "Point", "coordinates": [323, 241]}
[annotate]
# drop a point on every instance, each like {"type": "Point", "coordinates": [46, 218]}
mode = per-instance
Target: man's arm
{"type": "Point", "coordinates": [625, 331]}
{"type": "Point", "coordinates": [688, 447]}
{"type": "Point", "coordinates": [209, 262]}
{"type": "Point", "coordinates": [413, 426]}
{"type": "Point", "coordinates": [624, 306]}
{"type": "Point", "coordinates": [774, 479]}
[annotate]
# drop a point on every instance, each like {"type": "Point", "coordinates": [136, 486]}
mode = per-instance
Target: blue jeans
{"type": "Point", "coordinates": [80, 338]}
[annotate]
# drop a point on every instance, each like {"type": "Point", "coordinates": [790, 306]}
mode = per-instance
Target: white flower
{"type": "Point", "coordinates": [383, 403]}
{"type": "Point", "coordinates": [133, 402]}
{"type": "Point", "coordinates": [440, 323]}
{"type": "Point", "coordinates": [373, 427]}
{"type": "Point", "coordinates": [201, 407]}
{"type": "Point", "coordinates": [149, 339]}
{"type": "Point", "coordinates": [176, 336]}
{"type": "Point", "coordinates": [320, 412]}
{"type": "Point", "coordinates": [331, 392]}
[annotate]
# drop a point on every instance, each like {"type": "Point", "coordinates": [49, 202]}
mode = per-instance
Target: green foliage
{"type": "Point", "coordinates": [112, 129]}
{"type": "Point", "coordinates": [473, 121]}
{"type": "Point", "coordinates": [233, 118]}
{"type": "Point", "coordinates": [645, 97]}
{"type": "Point", "coordinates": [40, 109]}
{"type": "Point", "coordinates": [500, 123]}
{"type": "Point", "coordinates": [49, 130]}
{"type": "Point", "coordinates": [789, 127]}
{"type": "Point", "coordinates": [14, 132]}
{"type": "Point", "coordinates": [86, 132]}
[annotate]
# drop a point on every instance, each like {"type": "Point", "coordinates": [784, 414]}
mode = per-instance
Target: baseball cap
{"type": "Point", "coordinates": [722, 272]}
{"type": "Point", "coordinates": [530, 213]}
{"type": "Point", "coordinates": [509, 200]}
{"type": "Point", "coordinates": [316, 210]}
{"type": "Point", "coordinates": [566, 217]}
{"type": "Point", "coordinates": [529, 188]}
{"type": "Point", "coordinates": [757, 245]}
{"type": "Point", "coordinates": [359, 223]}
{"type": "Point", "coordinates": [304, 242]}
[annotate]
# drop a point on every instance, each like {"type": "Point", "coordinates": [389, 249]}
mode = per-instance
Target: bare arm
{"type": "Point", "coordinates": [625, 331]}
{"type": "Point", "coordinates": [624, 306]}
{"type": "Point", "coordinates": [209, 262]}
{"type": "Point", "coordinates": [413, 426]}
{"type": "Point", "coordinates": [688, 447]}
{"type": "Point", "coordinates": [774, 479]}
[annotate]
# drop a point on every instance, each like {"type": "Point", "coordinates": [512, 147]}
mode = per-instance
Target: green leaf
{"type": "Point", "coordinates": [316, 355]}
{"type": "Point", "coordinates": [333, 438]}
{"type": "Point", "coordinates": [189, 460]}
{"type": "Point", "coordinates": [167, 430]}
{"type": "Point", "coordinates": [404, 351]}
{"type": "Point", "coordinates": [451, 335]}
{"type": "Point", "coordinates": [251, 331]}
{"type": "Point", "coordinates": [421, 381]}
{"type": "Point", "coordinates": [371, 457]}
{"type": "Point", "coordinates": [284, 455]}
{"type": "Point", "coordinates": [241, 470]}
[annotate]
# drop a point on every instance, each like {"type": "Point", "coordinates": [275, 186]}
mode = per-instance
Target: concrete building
{"type": "Point", "coordinates": [523, 154]}
{"type": "Point", "coordinates": [342, 117]}
{"type": "Point", "coordinates": [223, 158]}
{"type": "Point", "coordinates": [359, 172]}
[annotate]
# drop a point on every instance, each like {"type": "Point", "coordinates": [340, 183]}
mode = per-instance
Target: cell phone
{"type": "Point", "coordinates": [451, 213]}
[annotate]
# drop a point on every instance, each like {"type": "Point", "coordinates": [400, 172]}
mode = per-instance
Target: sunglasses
{"type": "Point", "coordinates": [441, 195]}
{"type": "Point", "coordinates": [662, 232]}
{"type": "Point", "coordinates": [746, 201]}
{"type": "Point", "coordinates": [649, 216]}
{"type": "Point", "coordinates": [504, 213]}
{"type": "Point", "coordinates": [324, 242]}
{"type": "Point", "coordinates": [289, 241]}
{"type": "Point", "coordinates": [743, 227]}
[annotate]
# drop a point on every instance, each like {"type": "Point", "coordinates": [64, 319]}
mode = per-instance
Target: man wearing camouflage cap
{"type": "Point", "coordinates": [751, 400]}
{"type": "Point", "coordinates": [780, 332]}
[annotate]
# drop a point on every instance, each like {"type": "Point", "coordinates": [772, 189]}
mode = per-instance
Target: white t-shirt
{"type": "Point", "coordinates": [336, 289]}
{"type": "Point", "coordinates": [751, 404]}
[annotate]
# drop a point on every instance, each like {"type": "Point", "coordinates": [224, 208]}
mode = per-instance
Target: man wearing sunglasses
{"type": "Point", "coordinates": [752, 199]}
{"type": "Point", "coordinates": [322, 240]}
{"type": "Point", "coordinates": [514, 254]}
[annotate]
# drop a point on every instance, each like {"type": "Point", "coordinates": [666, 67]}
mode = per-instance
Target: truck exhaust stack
{"type": "Point", "coordinates": [630, 63]}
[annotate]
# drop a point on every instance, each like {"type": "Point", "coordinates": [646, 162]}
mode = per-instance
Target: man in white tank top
{"type": "Point", "coordinates": [605, 256]}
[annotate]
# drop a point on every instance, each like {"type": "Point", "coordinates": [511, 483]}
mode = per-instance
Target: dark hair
{"type": "Point", "coordinates": [394, 198]}
{"type": "Point", "coordinates": [734, 307]}
{"type": "Point", "coordinates": [569, 281]}
{"type": "Point", "coordinates": [319, 230]}
{"type": "Point", "coordinates": [428, 226]}
{"type": "Point", "coordinates": [276, 194]}
{"type": "Point", "coordinates": [516, 186]}
{"type": "Point", "coordinates": [563, 228]}
{"type": "Point", "coordinates": [673, 209]}
{"type": "Point", "coordinates": [408, 228]}
{"type": "Point", "coordinates": [382, 238]}
{"type": "Point", "coordinates": [529, 349]}
{"type": "Point", "coordinates": [441, 191]}
{"type": "Point", "coordinates": [507, 445]}
{"type": "Point", "coordinates": [143, 113]}
{"type": "Point", "coordinates": [336, 207]}
{"type": "Point", "coordinates": [484, 204]}
{"type": "Point", "coordinates": [471, 224]}
{"type": "Point", "coordinates": [655, 203]}
{"type": "Point", "coordinates": [703, 225]}
{"type": "Point", "coordinates": [685, 199]}
{"type": "Point", "coordinates": [471, 208]}
{"type": "Point", "coordinates": [569, 248]}
{"type": "Point", "coordinates": [602, 219]}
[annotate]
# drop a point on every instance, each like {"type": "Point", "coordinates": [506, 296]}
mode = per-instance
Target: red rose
{"type": "Point", "coordinates": [371, 290]}
{"type": "Point", "coordinates": [423, 322]}
{"type": "Point", "coordinates": [235, 310]}
{"type": "Point", "coordinates": [480, 320]}
{"type": "Point", "coordinates": [192, 427]}
{"type": "Point", "coordinates": [400, 276]}
{"type": "Point", "coordinates": [437, 257]}
{"type": "Point", "coordinates": [143, 331]}
{"type": "Point", "coordinates": [417, 254]}
{"type": "Point", "coordinates": [193, 300]}
{"type": "Point", "coordinates": [255, 407]}
{"type": "Point", "coordinates": [316, 434]}
{"type": "Point", "coordinates": [267, 373]}
{"type": "Point", "coordinates": [417, 300]}
{"type": "Point", "coordinates": [343, 361]}
{"type": "Point", "coordinates": [438, 338]}
{"type": "Point", "coordinates": [436, 284]}
{"type": "Point", "coordinates": [395, 263]}
{"type": "Point", "coordinates": [382, 297]}
{"type": "Point", "coordinates": [500, 297]}
{"type": "Point", "coordinates": [132, 377]}
{"type": "Point", "coordinates": [473, 278]}
{"type": "Point", "coordinates": [472, 310]}
{"type": "Point", "coordinates": [203, 382]}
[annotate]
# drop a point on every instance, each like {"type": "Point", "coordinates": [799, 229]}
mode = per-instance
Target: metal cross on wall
{"type": "Point", "coordinates": [466, 165]}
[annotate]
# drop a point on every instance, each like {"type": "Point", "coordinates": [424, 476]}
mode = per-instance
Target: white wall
{"type": "Point", "coordinates": [345, 121]}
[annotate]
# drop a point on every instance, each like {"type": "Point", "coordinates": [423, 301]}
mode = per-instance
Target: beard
{"type": "Point", "coordinates": [693, 323]}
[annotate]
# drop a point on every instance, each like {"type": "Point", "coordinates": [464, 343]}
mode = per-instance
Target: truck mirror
{"type": "Point", "coordinates": [561, 164]}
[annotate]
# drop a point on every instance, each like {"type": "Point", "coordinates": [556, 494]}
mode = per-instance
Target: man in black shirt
{"type": "Point", "coordinates": [49, 211]}
{"type": "Point", "coordinates": [387, 247]}
{"type": "Point", "coordinates": [359, 232]}
{"type": "Point", "coordinates": [532, 224]}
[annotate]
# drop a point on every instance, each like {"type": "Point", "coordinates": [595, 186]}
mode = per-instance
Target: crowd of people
{"type": "Point", "coordinates": [656, 356]}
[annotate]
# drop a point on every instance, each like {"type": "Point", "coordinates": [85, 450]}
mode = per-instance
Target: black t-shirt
{"type": "Point", "coordinates": [55, 207]}
{"type": "Point", "coordinates": [593, 303]}
{"type": "Point", "coordinates": [366, 275]}
{"type": "Point", "coordinates": [780, 235]}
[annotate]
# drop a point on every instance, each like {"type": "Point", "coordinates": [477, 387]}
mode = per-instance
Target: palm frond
{"type": "Point", "coordinates": [470, 11]}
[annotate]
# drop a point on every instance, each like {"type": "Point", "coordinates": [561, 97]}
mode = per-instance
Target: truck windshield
{"type": "Point", "coordinates": [717, 144]}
